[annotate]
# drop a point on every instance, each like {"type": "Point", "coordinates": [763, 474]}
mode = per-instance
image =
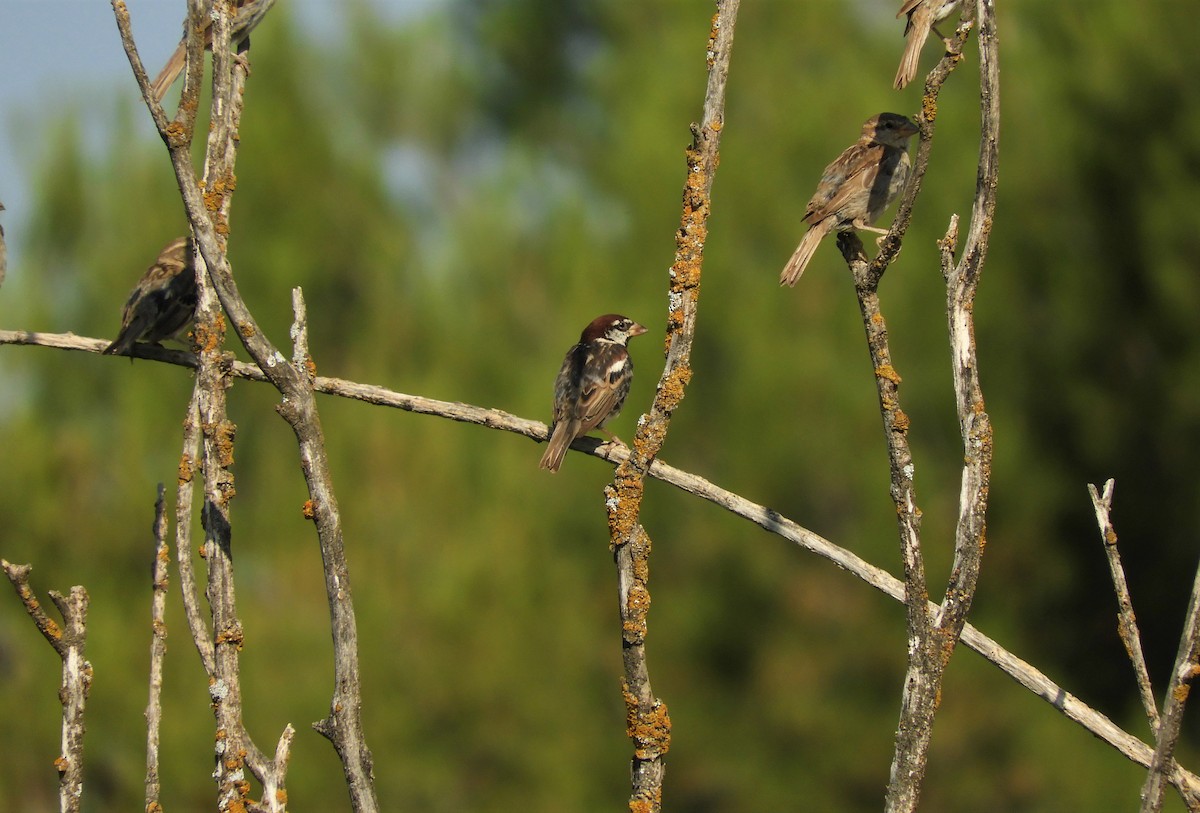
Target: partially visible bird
{"type": "Point", "coordinates": [592, 385]}
{"type": "Point", "coordinates": [923, 15]}
{"type": "Point", "coordinates": [3, 252]}
{"type": "Point", "coordinates": [856, 188]}
{"type": "Point", "coordinates": [249, 14]}
{"type": "Point", "coordinates": [162, 303]}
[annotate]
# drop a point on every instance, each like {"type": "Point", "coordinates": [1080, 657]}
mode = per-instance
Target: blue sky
{"type": "Point", "coordinates": [56, 52]}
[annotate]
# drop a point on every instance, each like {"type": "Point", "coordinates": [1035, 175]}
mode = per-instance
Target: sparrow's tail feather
{"type": "Point", "coordinates": [804, 252]}
{"type": "Point", "coordinates": [127, 335]}
{"type": "Point", "coordinates": [170, 72]}
{"type": "Point", "coordinates": [560, 441]}
{"type": "Point", "coordinates": [914, 42]}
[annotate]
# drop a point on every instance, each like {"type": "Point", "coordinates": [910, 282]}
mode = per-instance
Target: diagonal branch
{"type": "Point", "coordinates": [69, 641]}
{"type": "Point", "coordinates": [766, 518]}
{"type": "Point", "coordinates": [1127, 627]}
{"type": "Point", "coordinates": [648, 724]}
{"type": "Point", "coordinates": [1186, 669]}
{"type": "Point", "coordinates": [208, 214]}
{"type": "Point", "coordinates": [932, 638]}
{"type": "Point", "coordinates": [889, 247]}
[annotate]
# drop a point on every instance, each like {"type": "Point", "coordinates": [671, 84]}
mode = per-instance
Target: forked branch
{"type": "Point", "coordinates": [69, 641]}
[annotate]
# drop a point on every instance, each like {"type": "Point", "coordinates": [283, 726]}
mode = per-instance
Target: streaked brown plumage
{"type": "Point", "coordinates": [923, 15]}
{"type": "Point", "coordinates": [593, 383]}
{"type": "Point", "coordinates": [162, 303]}
{"type": "Point", "coordinates": [249, 14]}
{"type": "Point", "coordinates": [856, 188]}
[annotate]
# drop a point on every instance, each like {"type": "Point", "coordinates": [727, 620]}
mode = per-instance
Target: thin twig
{"type": "Point", "coordinates": [158, 650]}
{"type": "Point", "coordinates": [1186, 669]}
{"type": "Point", "coordinates": [70, 642]}
{"type": "Point", "coordinates": [1127, 626]}
{"type": "Point", "coordinates": [889, 246]}
{"type": "Point", "coordinates": [189, 463]}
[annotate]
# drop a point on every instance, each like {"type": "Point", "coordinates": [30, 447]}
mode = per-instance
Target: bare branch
{"type": "Point", "coordinates": [208, 215]}
{"type": "Point", "coordinates": [889, 246]}
{"type": "Point", "coordinates": [70, 642]}
{"type": "Point", "coordinates": [158, 650]}
{"type": "Point", "coordinates": [925, 665]}
{"type": "Point", "coordinates": [273, 778]}
{"type": "Point", "coordinates": [932, 639]}
{"type": "Point", "coordinates": [766, 518]}
{"type": "Point", "coordinates": [648, 724]}
{"type": "Point", "coordinates": [1186, 669]}
{"type": "Point", "coordinates": [188, 464]}
{"type": "Point", "coordinates": [1127, 626]}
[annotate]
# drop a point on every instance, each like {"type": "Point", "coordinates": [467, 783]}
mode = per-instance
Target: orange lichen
{"type": "Point", "coordinates": [177, 134]}
{"type": "Point", "coordinates": [638, 602]}
{"type": "Point", "coordinates": [650, 731]}
{"type": "Point", "coordinates": [624, 498]}
{"type": "Point", "coordinates": [308, 510]}
{"type": "Point", "coordinates": [929, 109]}
{"type": "Point", "coordinates": [888, 373]}
{"type": "Point", "coordinates": [232, 635]}
{"type": "Point", "coordinates": [62, 764]}
{"type": "Point", "coordinates": [1181, 692]}
{"type": "Point", "coordinates": [900, 421]}
{"type": "Point", "coordinates": [223, 439]}
{"type": "Point", "coordinates": [209, 335]}
{"type": "Point", "coordinates": [187, 469]}
{"type": "Point", "coordinates": [672, 389]}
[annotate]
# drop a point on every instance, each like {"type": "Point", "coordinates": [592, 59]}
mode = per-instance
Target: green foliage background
{"type": "Point", "coordinates": [458, 195]}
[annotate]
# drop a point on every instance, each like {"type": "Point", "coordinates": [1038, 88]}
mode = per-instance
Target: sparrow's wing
{"type": "Point", "coordinates": [851, 176]}
{"type": "Point", "coordinates": [606, 377]}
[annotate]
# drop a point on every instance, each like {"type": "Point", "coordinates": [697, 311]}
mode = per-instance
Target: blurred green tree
{"type": "Point", "coordinates": [457, 194]}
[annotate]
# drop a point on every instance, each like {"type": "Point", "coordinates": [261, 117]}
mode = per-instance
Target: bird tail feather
{"type": "Point", "coordinates": [913, 44]}
{"type": "Point", "coordinates": [170, 72]}
{"type": "Point", "coordinates": [564, 433]}
{"type": "Point", "coordinates": [804, 252]}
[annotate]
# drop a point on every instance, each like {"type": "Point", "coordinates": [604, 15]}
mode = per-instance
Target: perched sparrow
{"type": "Point", "coordinates": [592, 384]}
{"type": "Point", "coordinates": [249, 14]}
{"type": "Point", "coordinates": [923, 15]}
{"type": "Point", "coordinates": [856, 187]}
{"type": "Point", "coordinates": [162, 303]}
{"type": "Point", "coordinates": [3, 252]}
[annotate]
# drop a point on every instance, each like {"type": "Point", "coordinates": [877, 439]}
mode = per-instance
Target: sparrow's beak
{"type": "Point", "coordinates": [636, 330]}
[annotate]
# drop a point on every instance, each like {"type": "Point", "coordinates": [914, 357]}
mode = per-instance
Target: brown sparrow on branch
{"type": "Point", "coordinates": [856, 187]}
{"type": "Point", "coordinates": [162, 303]}
{"type": "Point", "coordinates": [249, 14]}
{"type": "Point", "coordinates": [592, 384]}
{"type": "Point", "coordinates": [923, 15]}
